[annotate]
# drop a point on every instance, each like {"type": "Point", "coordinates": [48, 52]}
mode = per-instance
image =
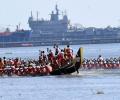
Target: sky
{"type": "Point", "coordinates": [88, 13]}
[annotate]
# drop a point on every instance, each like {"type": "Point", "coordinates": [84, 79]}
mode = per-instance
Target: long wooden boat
{"type": "Point", "coordinates": [67, 69]}
{"type": "Point", "coordinates": [71, 67]}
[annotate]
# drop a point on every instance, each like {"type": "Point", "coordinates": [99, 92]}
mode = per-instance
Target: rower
{"type": "Point", "coordinates": [57, 49]}
{"type": "Point", "coordinates": [60, 58]}
{"type": "Point", "coordinates": [17, 63]}
{"type": "Point", "coordinates": [100, 61]}
{"type": "Point", "coordinates": [4, 61]}
{"type": "Point", "coordinates": [40, 57]}
{"type": "Point", "coordinates": [69, 52]}
{"type": "Point", "coordinates": [55, 64]}
{"type": "Point", "coordinates": [100, 58]}
{"type": "Point", "coordinates": [44, 58]}
{"type": "Point", "coordinates": [1, 66]}
{"type": "Point", "coordinates": [50, 56]}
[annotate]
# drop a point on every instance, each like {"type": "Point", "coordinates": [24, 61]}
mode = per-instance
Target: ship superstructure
{"type": "Point", "coordinates": [56, 30]}
{"type": "Point", "coordinates": [54, 24]}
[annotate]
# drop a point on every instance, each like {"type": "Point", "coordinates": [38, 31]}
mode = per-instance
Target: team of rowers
{"type": "Point", "coordinates": [44, 65]}
{"type": "Point", "coordinates": [100, 62]}
{"type": "Point", "coordinates": [47, 62]}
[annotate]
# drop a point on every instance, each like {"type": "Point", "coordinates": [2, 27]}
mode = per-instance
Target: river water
{"type": "Point", "coordinates": [90, 50]}
{"type": "Point", "coordinates": [88, 85]}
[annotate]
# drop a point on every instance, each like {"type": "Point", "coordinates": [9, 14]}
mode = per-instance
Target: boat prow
{"type": "Point", "coordinates": [70, 67]}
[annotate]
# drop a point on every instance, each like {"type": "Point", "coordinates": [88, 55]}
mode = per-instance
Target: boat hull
{"type": "Point", "coordinates": [68, 69]}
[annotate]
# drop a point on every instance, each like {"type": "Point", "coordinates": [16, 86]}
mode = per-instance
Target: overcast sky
{"type": "Point", "coordinates": [93, 13]}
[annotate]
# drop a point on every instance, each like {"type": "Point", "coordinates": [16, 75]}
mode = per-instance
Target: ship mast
{"type": "Point", "coordinates": [31, 15]}
{"type": "Point", "coordinates": [57, 10]}
{"type": "Point", "coordinates": [37, 15]}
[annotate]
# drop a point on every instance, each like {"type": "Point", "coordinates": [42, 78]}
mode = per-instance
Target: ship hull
{"type": "Point", "coordinates": [50, 43]}
{"type": "Point", "coordinates": [28, 38]}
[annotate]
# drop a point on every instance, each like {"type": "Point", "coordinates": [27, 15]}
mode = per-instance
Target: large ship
{"type": "Point", "coordinates": [58, 30]}
{"type": "Point", "coordinates": [16, 38]}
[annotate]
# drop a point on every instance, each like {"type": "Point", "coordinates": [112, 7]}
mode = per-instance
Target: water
{"type": "Point", "coordinates": [92, 85]}
{"type": "Point", "coordinates": [67, 87]}
{"type": "Point", "coordinates": [90, 51]}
